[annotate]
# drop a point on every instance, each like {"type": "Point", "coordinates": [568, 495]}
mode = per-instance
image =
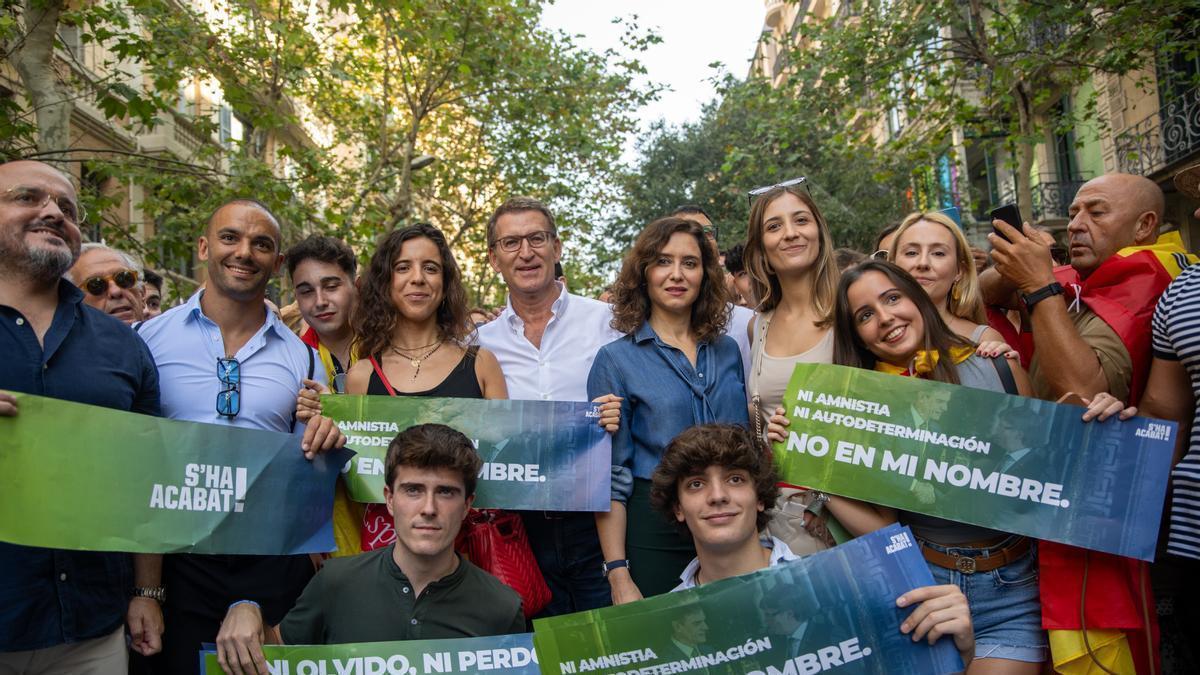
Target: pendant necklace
{"type": "Point", "coordinates": [415, 361]}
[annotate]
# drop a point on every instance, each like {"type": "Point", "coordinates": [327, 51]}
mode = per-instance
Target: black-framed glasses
{"type": "Point", "coordinates": [98, 285]}
{"type": "Point", "coordinates": [37, 198]}
{"type": "Point", "coordinates": [711, 232]}
{"type": "Point", "coordinates": [791, 182]}
{"type": "Point", "coordinates": [229, 400]}
{"type": "Point", "coordinates": [536, 240]}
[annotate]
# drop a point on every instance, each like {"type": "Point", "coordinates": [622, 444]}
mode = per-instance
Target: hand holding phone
{"type": "Point", "coordinates": [1010, 214]}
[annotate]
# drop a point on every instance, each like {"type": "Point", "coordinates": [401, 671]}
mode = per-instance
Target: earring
{"type": "Point", "coordinates": [955, 292]}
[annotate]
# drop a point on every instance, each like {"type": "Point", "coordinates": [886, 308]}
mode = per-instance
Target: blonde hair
{"type": "Point", "coordinates": [964, 300]}
{"type": "Point", "coordinates": [763, 279]}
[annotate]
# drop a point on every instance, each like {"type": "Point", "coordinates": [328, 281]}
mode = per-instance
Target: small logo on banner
{"type": "Point", "coordinates": [899, 543]}
{"type": "Point", "coordinates": [206, 487]}
{"type": "Point", "coordinates": [1154, 431]}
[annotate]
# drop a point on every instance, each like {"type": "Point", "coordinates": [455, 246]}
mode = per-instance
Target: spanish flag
{"type": "Point", "coordinates": [1099, 607]}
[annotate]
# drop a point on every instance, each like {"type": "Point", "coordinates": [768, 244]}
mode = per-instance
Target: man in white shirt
{"type": "Point", "coordinates": [718, 480]}
{"type": "Point", "coordinates": [545, 340]}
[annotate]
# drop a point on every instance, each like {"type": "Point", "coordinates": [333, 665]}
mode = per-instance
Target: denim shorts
{"type": "Point", "coordinates": [1005, 608]}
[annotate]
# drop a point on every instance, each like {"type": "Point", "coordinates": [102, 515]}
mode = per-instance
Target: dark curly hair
{"type": "Point", "coordinates": [324, 249]}
{"type": "Point", "coordinates": [376, 315]}
{"type": "Point", "coordinates": [631, 300]}
{"type": "Point", "coordinates": [726, 445]}
{"type": "Point", "coordinates": [850, 350]}
{"type": "Point", "coordinates": [433, 446]}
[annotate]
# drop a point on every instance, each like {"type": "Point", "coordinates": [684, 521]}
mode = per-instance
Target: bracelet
{"type": "Point", "coordinates": [244, 602]}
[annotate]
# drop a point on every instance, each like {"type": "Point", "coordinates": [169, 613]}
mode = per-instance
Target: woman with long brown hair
{"type": "Point", "coordinates": [674, 369]}
{"type": "Point", "coordinates": [884, 320]}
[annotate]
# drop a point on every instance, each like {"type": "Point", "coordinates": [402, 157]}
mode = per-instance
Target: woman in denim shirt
{"type": "Point", "coordinates": [673, 369]}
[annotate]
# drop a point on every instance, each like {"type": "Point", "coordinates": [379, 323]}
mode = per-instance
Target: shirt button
{"type": "Point", "coordinates": [545, 397]}
{"type": "Point", "coordinates": [62, 577]}
{"type": "Point", "coordinates": [701, 374]}
{"type": "Point", "coordinates": [406, 589]}
{"type": "Point", "coordinates": [20, 321]}
{"type": "Point", "coordinates": [414, 622]}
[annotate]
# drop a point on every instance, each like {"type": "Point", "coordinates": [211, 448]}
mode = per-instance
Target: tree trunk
{"type": "Point", "coordinates": [34, 61]}
{"type": "Point", "coordinates": [401, 207]}
{"type": "Point", "coordinates": [1025, 146]}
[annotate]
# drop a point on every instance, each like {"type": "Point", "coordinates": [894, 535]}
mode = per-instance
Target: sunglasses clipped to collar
{"type": "Point", "coordinates": [801, 181]}
{"type": "Point", "coordinates": [98, 285]}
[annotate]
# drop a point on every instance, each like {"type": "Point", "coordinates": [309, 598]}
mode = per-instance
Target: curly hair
{"type": "Point", "coordinates": [850, 350]}
{"type": "Point", "coordinates": [433, 446]}
{"type": "Point", "coordinates": [376, 316]}
{"type": "Point", "coordinates": [631, 299]}
{"type": "Point", "coordinates": [965, 299]}
{"type": "Point", "coordinates": [763, 280]}
{"type": "Point", "coordinates": [726, 445]}
{"type": "Point", "coordinates": [323, 249]}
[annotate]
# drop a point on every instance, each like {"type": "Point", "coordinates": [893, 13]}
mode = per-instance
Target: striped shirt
{"type": "Point", "coordinates": [1176, 331]}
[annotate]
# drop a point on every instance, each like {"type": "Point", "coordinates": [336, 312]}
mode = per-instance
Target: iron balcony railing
{"type": "Point", "coordinates": [1162, 139]}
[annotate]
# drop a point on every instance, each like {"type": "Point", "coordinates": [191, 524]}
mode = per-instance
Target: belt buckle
{"type": "Point", "coordinates": [965, 564]}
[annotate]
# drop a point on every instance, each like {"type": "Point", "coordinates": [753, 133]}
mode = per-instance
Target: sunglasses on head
{"type": "Point", "coordinates": [801, 181]}
{"type": "Point", "coordinates": [98, 285]}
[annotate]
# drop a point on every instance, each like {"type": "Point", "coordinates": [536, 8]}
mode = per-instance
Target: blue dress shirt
{"type": "Point", "coordinates": [186, 345]}
{"type": "Point", "coordinates": [49, 597]}
{"type": "Point", "coordinates": [663, 395]}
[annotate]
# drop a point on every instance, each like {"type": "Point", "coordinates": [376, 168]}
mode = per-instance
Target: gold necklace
{"type": "Point", "coordinates": [415, 361]}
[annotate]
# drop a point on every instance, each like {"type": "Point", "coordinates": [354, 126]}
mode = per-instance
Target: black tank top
{"type": "Point", "coordinates": [460, 383]}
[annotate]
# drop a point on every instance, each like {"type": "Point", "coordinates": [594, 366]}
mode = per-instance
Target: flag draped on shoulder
{"type": "Point", "coordinates": [1112, 616]}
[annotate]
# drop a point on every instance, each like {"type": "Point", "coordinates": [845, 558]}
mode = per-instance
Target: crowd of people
{"type": "Point", "coordinates": [688, 355]}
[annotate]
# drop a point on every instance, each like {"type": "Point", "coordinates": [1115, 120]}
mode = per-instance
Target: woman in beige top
{"type": "Point", "coordinates": [789, 256]}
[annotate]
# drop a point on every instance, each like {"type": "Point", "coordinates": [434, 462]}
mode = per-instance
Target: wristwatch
{"type": "Point", "coordinates": [817, 505]}
{"type": "Point", "coordinates": [158, 593]}
{"type": "Point", "coordinates": [1049, 290]}
{"type": "Point", "coordinates": [611, 565]}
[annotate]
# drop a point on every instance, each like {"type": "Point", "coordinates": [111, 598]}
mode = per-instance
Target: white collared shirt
{"type": "Point", "coordinates": [780, 553]}
{"type": "Point", "coordinates": [558, 371]}
{"type": "Point", "coordinates": [578, 328]}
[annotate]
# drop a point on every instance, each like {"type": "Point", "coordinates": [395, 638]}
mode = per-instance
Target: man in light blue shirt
{"type": "Point", "coordinates": [223, 358]}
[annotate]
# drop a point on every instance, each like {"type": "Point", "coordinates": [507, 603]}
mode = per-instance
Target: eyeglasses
{"type": "Point", "coordinates": [37, 198]}
{"type": "Point", "coordinates": [536, 240]}
{"type": "Point", "coordinates": [711, 232]}
{"type": "Point", "coordinates": [801, 181]}
{"type": "Point", "coordinates": [229, 400]}
{"type": "Point", "coordinates": [98, 285]}
{"type": "Point", "coordinates": [881, 254]}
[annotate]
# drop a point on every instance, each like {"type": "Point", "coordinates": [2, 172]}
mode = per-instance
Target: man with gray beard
{"type": "Point", "coordinates": [65, 611]}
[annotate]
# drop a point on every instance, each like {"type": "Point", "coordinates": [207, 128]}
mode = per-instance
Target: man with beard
{"type": "Point", "coordinates": [62, 611]}
{"type": "Point", "coordinates": [223, 345]}
{"type": "Point", "coordinates": [112, 281]}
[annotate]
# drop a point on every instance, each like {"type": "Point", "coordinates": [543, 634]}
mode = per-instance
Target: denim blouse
{"type": "Point", "coordinates": [663, 395]}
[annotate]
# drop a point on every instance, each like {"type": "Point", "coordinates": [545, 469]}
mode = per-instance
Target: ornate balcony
{"type": "Point", "coordinates": [1051, 199]}
{"type": "Point", "coordinates": [1168, 136]}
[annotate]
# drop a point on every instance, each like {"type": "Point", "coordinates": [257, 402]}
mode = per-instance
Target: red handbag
{"type": "Point", "coordinates": [495, 540]}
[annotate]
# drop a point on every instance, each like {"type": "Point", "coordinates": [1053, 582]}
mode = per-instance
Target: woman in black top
{"type": "Point", "coordinates": [412, 327]}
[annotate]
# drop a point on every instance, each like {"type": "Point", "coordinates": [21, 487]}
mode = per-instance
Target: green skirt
{"type": "Point", "coordinates": [658, 550]}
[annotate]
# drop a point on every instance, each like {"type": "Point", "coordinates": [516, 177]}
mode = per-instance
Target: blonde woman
{"type": "Point", "coordinates": [933, 250]}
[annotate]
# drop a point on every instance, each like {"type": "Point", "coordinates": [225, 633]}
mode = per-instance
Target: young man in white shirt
{"type": "Point", "coordinates": [718, 481]}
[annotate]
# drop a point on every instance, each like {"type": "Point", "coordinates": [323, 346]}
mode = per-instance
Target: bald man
{"type": "Point", "coordinates": [223, 358]}
{"type": "Point", "coordinates": [1091, 333]}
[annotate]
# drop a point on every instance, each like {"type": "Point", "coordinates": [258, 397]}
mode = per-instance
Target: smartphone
{"type": "Point", "coordinates": [1010, 214]}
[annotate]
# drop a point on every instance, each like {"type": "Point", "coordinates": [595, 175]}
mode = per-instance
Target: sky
{"type": "Point", "coordinates": [694, 34]}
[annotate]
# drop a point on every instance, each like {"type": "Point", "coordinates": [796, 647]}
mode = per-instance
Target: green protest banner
{"type": "Point", "coordinates": [1012, 463]}
{"type": "Point", "coordinates": [81, 477]}
{"type": "Point", "coordinates": [832, 610]}
{"type": "Point", "coordinates": [500, 654]}
{"type": "Point", "coordinates": [538, 455]}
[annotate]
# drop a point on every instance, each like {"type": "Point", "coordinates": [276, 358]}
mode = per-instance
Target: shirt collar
{"type": "Point", "coordinates": [193, 312]}
{"type": "Point", "coordinates": [68, 292]}
{"type": "Point", "coordinates": [644, 332]}
{"type": "Point", "coordinates": [557, 309]}
{"type": "Point", "coordinates": [780, 552]}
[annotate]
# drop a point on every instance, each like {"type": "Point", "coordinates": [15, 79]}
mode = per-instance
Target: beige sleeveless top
{"type": "Point", "coordinates": [769, 375]}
